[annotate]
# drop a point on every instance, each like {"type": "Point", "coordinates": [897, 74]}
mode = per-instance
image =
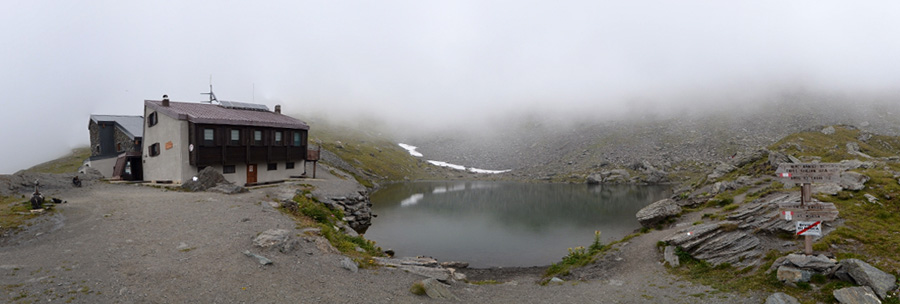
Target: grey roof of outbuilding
{"type": "Point", "coordinates": [132, 125]}
{"type": "Point", "coordinates": [206, 113]}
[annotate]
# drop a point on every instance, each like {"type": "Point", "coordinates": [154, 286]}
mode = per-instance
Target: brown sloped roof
{"type": "Point", "coordinates": [205, 113]}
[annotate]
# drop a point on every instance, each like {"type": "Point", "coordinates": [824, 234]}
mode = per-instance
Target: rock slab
{"type": "Point", "coordinates": [781, 298]}
{"type": "Point", "coordinates": [657, 212]}
{"type": "Point", "coordinates": [856, 295]}
{"type": "Point", "coordinates": [867, 275]}
{"type": "Point", "coordinates": [437, 290]}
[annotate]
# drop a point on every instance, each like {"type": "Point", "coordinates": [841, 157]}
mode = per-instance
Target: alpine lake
{"type": "Point", "coordinates": [503, 224]}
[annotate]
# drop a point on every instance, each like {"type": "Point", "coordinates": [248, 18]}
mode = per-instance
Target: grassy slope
{"type": "Point", "coordinates": [66, 164]}
{"type": "Point", "coordinates": [380, 158]}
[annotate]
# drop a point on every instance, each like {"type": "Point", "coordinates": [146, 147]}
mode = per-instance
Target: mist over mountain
{"type": "Point", "coordinates": [536, 145]}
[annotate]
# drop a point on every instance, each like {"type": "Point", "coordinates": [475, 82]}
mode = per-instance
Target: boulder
{"type": "Point", "coordinates": [777, 158]}
{"type": "Point", "coordinates": [817, 263]}
{"type": "Point", "coordinates": [349, 264]}
{"type": "Point", "coordinates": [781, 298]}
{"type": "Point", "coordinates": [437, 290]}
{"type": "Point", "coordinates": [670, 257]}
{"type": "Point", "coordinates": [261, 259]}
{"type": "Point", "coordinates": [657, 212]}
{"type": "Point", "coordinates": [792, 275]}
{"type": "Point", "coordinates": [275, 239]}
{"type": "Point", "coordinates": [867, 275]}
{"type": "Point", "coordinates": [853, 181]}
{"type": "Point", "coordinates": [827, 188]}
{"type": "Point", "coordinates": [439, 274]}
{"type": "Point", "coordinates": [205, 179]}
{"type": "Point", "coordinates": [870, 198]}
{"type": "Point", "coordinates": [829, 130]}
{"type": "Point", "coordinates": [856, 295]}
{"type": "Point", "coordinates": [227, 188]}
{"type": "Point", "coordinates": [617, 176]}
{"type": "Point", "coordinates": [720, 187]}
{"type": "Point", "coordinates": [720, 171]}
{"type": "Point", "coordinates": [594, 179]}
{"type": "Point", "coordinates": [850, 164]}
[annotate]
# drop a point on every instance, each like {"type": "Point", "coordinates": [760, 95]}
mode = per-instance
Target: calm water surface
{"type": "Point", "coordinates": [501, 223]}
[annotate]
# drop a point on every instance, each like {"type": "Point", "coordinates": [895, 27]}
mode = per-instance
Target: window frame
{"type": "Point", "coordinates": [261, 140]}
{"type": "Point", "coordinates": [208, 142]}
{"type": "Point", "coordinates": [278, 138]}
{"type": "Point", "coordinates": [272, 167]}
{"type": "Point", "coordinates": [229, 169]}
{"type": "Point", "coordinates": [289, 165]}
{"type": "Point", "coordinates": [153, 150]}
{"type": "Point", "coordinates": [152, 119]}
{"type": "Point", "coordinates": [231, 140]}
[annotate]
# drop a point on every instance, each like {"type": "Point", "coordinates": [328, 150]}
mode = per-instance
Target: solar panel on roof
{"type": "Point", "coordinates": [243, 106]}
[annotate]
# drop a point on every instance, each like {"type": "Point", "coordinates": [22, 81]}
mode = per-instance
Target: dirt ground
{"type": "Point", "coordinates": [128, 243]}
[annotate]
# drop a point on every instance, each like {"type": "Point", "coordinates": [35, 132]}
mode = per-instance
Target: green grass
{"type": "Point", "coordinates": [311, 213]}
{"type": "Point", "coordinates": [375, 156]}
{"type": "Point", "coordinates": [581, 256]}
{"type": "Point", "coordinates": [10, 207]}
{"type": "Point", "coordinates": [66, 164]}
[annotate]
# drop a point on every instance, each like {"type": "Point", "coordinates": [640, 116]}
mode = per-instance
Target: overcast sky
{"type": "Point", "coordinates": [440, 62]}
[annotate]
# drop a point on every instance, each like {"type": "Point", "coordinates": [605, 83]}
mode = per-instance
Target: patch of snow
{"type": "Point", "coordinates": [412, 200]}
{"type": "Point", "coordinates": [439, 190]}
{"type": "Point", "coordinates": [474, 170]}
{"type": "Point", "coordinates": [411, 149]}
{"type": "Point", "coordinates": [446, 164]}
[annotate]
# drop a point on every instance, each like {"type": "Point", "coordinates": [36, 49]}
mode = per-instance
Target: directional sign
{"type": "Point", "coordinates": [812, 211]}
{"type": "Point", "coordinates": [809, 172]}
{"type": "Point", "coordinates": [808, 228]}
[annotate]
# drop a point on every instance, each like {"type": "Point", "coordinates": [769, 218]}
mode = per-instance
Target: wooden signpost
{"type": "Point", "coordinates": [808, 214]}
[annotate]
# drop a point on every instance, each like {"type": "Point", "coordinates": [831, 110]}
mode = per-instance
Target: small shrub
{"type": "Point", "coordinates": [417, 288]}
{"type": "Point", "coordinates": [730, 207]}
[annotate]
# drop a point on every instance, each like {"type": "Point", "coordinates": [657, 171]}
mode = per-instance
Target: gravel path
{"type": "Point", "coordinates": [121, 243]}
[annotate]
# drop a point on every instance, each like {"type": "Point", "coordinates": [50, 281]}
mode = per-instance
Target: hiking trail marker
{"type": "Point", "coordinates": [809, 215]}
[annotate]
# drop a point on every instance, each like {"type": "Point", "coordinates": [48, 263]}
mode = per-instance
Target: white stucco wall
{"type": "Point", "coordinates": [263, 175]}
{"type": "Point", "coordinates": [105, 166]}
{"type": "Point", "coordinates": [171, 164]}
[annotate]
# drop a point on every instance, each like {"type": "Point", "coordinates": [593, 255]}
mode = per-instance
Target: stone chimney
{"type": "Point", "coordinates": [165, 101]}
{"type": "Point", "coordinates": [278, 109]}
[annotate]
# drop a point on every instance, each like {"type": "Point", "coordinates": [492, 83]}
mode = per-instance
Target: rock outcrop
{"type": "Point", "coordinates": [210, 179]}
{"type": "Point", "coordinates": [718, 243]}
{"type": "Point", "coordinates": [275, 239]}
{"type": "Point", "coordinates": [781, 298]}
{"type": "Point", "coordinates": [357, 210]}
{"type": "Point", "coordinates": [616, 176]}
{"type": "Point", "coordinates": [657, 212]}
{"type": "Point", "coordinates": [856, 295]}
{"type": "Point", "coordinates": [862, 273]}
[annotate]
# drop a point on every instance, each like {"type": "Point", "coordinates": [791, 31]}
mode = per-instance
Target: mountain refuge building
{"type": "Point", "coordinates": [246, 142]}
{"type": "Point", "coordinates": [116, 145]}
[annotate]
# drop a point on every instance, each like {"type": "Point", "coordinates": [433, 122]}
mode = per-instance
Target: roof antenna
{"type": "Point", "coordinates": [212, 96]}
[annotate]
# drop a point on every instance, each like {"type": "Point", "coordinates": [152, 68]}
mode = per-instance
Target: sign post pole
{"type": "Point", "coordinates": [805, 174]}
{"type": "Point", "coordinates": [805, 197]}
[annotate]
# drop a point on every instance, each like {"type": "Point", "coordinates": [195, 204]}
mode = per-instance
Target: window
{"type": "Point", "coordinates": [273, 166]}
{"type": "Point", "coordinates": [257, 137]}
{"type": "Point", "coordinates": [277, 138]}
{"type": "Point", "coordinates": [228, 169]}
{"type": "Point", "coordinates": [235, 137]}
{"type": "Point", "coordinates": [296, 139]}
{"type": "Point", "coordinates": [153, 150]}
{"type": "Point", "coordinates": [151, 119]}
{"type": "Point", "coordinates": [118, 147]}
{"type": "Point", "coordinates": [289, 165]}
{"type": "Point", "coordinates": [209, 136]}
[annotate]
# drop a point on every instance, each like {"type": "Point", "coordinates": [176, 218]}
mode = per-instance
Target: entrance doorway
{"type": "Point", "coordinates": [251, 173]}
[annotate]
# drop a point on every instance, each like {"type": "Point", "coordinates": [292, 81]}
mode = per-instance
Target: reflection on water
{"type": "Point", "coordinates": [500, 223]}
